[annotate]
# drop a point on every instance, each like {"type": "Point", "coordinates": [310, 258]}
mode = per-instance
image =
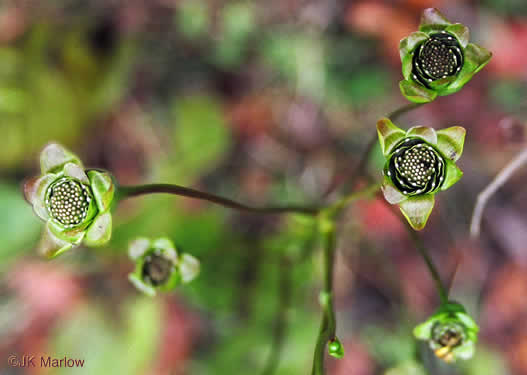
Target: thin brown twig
{"type": "Point", "coordinates": [483, 197]}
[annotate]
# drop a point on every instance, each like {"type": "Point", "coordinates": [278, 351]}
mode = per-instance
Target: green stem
{"type": "Point", "coordinates": [133, 191]}
{"type": "Point", "coordinates": [443, 294]}
{"type": "Point", "coordinates": [394, 115]}
{"type": "Point", "coordinates": [336, 208]}
{"type": "Point", "coordinates": [420, 246]}
{"type": "Point", "coordinates": [328, 325]}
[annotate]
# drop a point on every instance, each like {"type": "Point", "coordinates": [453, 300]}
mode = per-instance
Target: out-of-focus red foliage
{"type": "Point", "coordinates": [364, 17]}
{"type": "Point", "coordinates": [507, 42]}
{"type": "Point", "coordinates": [179, 333]}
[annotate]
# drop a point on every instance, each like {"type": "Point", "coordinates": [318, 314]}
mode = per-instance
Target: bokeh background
{"type": "Point", "coordinates": [264, 101]}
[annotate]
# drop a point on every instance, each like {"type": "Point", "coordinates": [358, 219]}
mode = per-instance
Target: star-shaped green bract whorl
{"type": "Point", "coordinates": [419, 163]}
{"type": "Point", "coordinates": [159, 266]}
{"type": "Point", "coordinates": [450, 332]}
{"type": "Point", "coordinates": [75, 202]}
{"type": "Point", "coordinates": [438, 59]}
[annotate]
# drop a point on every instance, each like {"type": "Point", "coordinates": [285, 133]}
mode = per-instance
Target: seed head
{"type": "Point", "coordinates": [448, 334]}
{"type": "Point", "coordinates": [440, 56]}
{"type": "Point", "coordinates": [156, 269]}
{"type": "Point", "coordinates": [68, 202]}
{"type": "Point", "coordinates": [416, 167]}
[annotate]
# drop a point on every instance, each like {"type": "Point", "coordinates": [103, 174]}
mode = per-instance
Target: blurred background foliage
{"type": "Point", "coordinates": [263, 102]}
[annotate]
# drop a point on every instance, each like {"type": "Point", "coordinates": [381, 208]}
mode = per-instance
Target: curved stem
{"type": "Point", "coordinates": [328, 325]}
{"type": "Point", "coordinates": [133, 191]}
{"type": "Point", "coordinates": [418, 242]}
{"type": "Point", "coordinates": [336, 208]}
{"type": "Point", "coordinates": [394, 115]}
{"type": "Point", "coordinates": [420, 246]}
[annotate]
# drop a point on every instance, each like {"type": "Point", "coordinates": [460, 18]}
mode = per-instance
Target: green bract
{"type": "Point", "coordinates": [74, 202]}
{"type": "Point", "coordinates": [450, 332]}
{"type": "Point", "coordinates": [159, 266]}
{"type": "Point", "coordinates": [438, 59]}
{"type": "Point", "coordinates": [419, 163]}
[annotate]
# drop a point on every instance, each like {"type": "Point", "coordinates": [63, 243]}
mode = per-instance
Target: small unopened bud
{"type": "Point", "coordinates": [335, 348]}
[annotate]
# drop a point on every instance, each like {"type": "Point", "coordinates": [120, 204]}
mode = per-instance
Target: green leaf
{"type": "Point", "coordinates": [173, 281]}
{"type": "Point", "coordinates": [52, 246]}
{"type": "Point", "coordinates": [432, 17]}
{"type": "Point", "coordinates": [417, 209]}
{"type": "Point", "coordinates": [465, 351]}
{"type": "Point", "coordinates": [73, 236]}
{"type": "Point", "coordinates": [103, 189]}
{"type": "Point", "coordinates": [407, 66]}
{"type": "Point", "coordinates": [391, 193]}
{"type": "Point", "coordinates": [139, 284]}
{"type": "Point", "coordinates": [165, 244]}
{"type": "Point", "coordinates": [138, 247]}
{"type": "Point", "coordinates": [452, 175]}
{"type": "Point", "coordinates": [389, 135]}
{"type": "Point", "coordinates": [75, 171]}
{"type": "Point", "coordinates": [424, 330]}
{"type": "Point", "coordinates": [35, 192]}
{"type": "Point", "coordinates": [465, 75]}
{"type": "Point", "coordinates": [54, 156]}
{"type": "Point", "coordinates": [409, 44]}
{"type": "Point", "coordinates": [188, 267]}
{"type": "Point", "coordinates": [416, 93]}
{"type": "Point", "coordinates": [439, 85]}
{"type": "Point", "coordinates": [100, 231]}
{"type": "Point", "coordinates": [477, 56]}
{"type": "Point", "coordinates": [423, 132]}
{"type": "Point", "coordinates": [467, 320]}
{"type": "Point", "coordinates": [461, 32]}
{"type": "Point", "coordinates": [450, 142]}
